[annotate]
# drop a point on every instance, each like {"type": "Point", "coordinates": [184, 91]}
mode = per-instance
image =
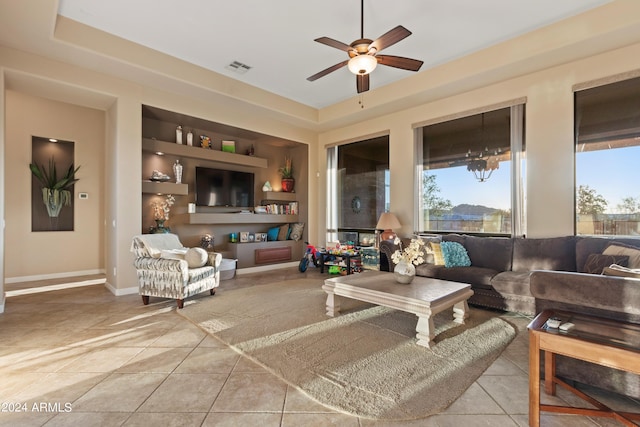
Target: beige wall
{"type": "Point", "coordinates": [549, 138]}
{"type": "Point", "coordinates": [32, 254]}
{"type": "Point", "coordinates": [141, 76]}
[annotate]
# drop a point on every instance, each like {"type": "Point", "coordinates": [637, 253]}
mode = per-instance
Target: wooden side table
{"type": "Point", "coordinates": [596, 340]}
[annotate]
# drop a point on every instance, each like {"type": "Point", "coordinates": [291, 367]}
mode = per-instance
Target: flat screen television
{"type": "Point", "coordinates": [220, 187]}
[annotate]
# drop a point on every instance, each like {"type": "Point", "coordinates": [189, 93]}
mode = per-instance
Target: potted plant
{"type": "Point", "coordinates": [55, 191]}
{"type": "Point", "coordinates": [286, 172]}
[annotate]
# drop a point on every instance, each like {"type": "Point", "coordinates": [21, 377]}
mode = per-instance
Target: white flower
{"type": "Point", "coordinates": [161, 210]}
{"type": "Point", "coordinates": [414, 253]}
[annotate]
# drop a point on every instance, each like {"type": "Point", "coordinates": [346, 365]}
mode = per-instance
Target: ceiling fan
{"type": "Point", "coordinates": [363, 54]}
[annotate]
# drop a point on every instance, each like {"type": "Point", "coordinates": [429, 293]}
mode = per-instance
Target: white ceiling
{"type": "Point", "coordinates": [276, 37]}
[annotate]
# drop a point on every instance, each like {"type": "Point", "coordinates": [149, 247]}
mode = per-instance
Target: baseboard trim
{"type": "Point", "coordinates": [53, 276]}
{"type": "Point", "coordinates": [49, 288]}
{"type": "Point", "coordinates": [262, 268]}
{"type": "Point", "coordinates": [120, 292]}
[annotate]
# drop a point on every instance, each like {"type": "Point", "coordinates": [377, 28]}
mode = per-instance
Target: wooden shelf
{"type": "Point", "coordinates": [238, 218]}
{"type": "Point", "coordinates": [165, 188]}
{"type": "Point", "coordinates": [279, 196]}
{"type": "Point", "coordinates": [154, 145]}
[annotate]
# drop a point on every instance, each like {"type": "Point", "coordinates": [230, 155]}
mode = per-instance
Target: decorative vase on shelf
{"type": "Point", "coordinates": [160, 228]}
{"type": "Point", "coordinates": [404, 272]}
{"type": "Point", "coordinates": [177, 171]}
{"type": "Point", "coordinates": [179, 135]}
{"type": "Point", "coordinates": [288, 184]}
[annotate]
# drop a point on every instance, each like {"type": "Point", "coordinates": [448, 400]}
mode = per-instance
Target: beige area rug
{"type": "Point", "coordinates": [364, 362]}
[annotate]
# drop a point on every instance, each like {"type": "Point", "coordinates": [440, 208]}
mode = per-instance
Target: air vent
{"type": "Point", "coordinates": [238, 67]}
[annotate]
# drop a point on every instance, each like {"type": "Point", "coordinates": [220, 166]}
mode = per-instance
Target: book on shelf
{"type": "Point", "coordinates": [290, 208]}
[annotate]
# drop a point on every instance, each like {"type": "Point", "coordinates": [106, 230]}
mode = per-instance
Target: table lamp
{"type": "Point", "coordinates": [387, 223]}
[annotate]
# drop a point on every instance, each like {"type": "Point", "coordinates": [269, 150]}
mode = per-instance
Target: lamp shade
{"type": "Point", "coordinates": [388, 221]}
{"type": "Point", "coordinates": [362, 64]}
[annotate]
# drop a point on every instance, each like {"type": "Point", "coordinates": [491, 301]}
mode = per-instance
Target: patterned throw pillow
{"type": "Point", "coordinates": [438, 259]}
{"type": "Point", "coordinates": [596, 263]}
{"type": "Point", "coordinates": [455, 255]}
{"type": "Point", "coordinates": [296, 231]}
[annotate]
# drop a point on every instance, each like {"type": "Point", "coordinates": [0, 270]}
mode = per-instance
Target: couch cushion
{"type": "Point", "coordinates": [428, 270]}
{"type": "Point", "coordinates": [553, 253]}
{"type": "Point", "coordinates": [586, 246]}
{"type": "Point", "coordinates": [597, 262]}
{"type": "Point", "coordinates": [454, 254]}
{"type": "Point", "coordinates": [616, 248]}
{"type": "Point", "coordinates": [490, 252]}
{"type": "Point", "coordinates": [475, 276]}
{"type": "Point", "coordinates": [512, 282]}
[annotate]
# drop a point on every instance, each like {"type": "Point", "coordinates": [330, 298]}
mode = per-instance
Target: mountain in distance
{"type": "Point", "coordinates": [479, 210]}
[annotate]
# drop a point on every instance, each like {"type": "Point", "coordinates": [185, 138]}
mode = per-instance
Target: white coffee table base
{"type": "Point", "coordinates": [424, 297]}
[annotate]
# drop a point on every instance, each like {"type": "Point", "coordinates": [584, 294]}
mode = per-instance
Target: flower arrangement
{"type": "Point", "coordinates": [161, 209]}
{"type": "Point", "coordinates": [412, 254]}
{"type": "Point", "coordinates": [287, 170]}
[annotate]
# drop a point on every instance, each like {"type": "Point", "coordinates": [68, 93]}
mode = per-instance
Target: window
{"type": "Point", "coordinates": [607, 146]}
{"type": "Point", "coordinates": [358, 189]}
{"type": "Point", "coordinates": [470, 178]}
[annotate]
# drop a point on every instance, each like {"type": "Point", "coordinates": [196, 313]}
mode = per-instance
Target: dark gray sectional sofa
{"type": "Point", "coordinates": [500, 271]}
{"type": "Point", "coordinates": [531, 275]}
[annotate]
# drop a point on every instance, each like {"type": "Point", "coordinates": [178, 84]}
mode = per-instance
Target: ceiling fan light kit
{"type": "Point", "coordinates": [363, 54]}
{"type": "Point", "coordinates": [362, 64]}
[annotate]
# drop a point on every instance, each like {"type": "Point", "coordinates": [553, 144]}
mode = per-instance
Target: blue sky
{"type": "Point", "coordinates": [614, 174]}
{"type": "Point", "coordinates": [460, 186]}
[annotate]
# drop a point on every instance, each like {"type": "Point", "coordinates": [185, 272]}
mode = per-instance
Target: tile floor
{"type": "Point", "coordinates": [83, 357]}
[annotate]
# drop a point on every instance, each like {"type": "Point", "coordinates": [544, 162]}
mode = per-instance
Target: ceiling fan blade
{"type": "Point", "coordinates": [400, 62]}
{"type": "Point", "coordinates": [327, 71]}
{"type": "Point", "coordinates": [389, 38]}
{"type": "Point", "coordinates": [334, 43]}
{"type": "Point", "coordinates": [362, 82]}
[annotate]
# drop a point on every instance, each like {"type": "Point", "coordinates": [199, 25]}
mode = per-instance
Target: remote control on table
{"type": "Point", "coordinates": [567, 326]}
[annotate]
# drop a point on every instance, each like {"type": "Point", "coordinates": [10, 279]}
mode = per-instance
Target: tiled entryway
{"type": "Point", "coordinates": [83, 357]}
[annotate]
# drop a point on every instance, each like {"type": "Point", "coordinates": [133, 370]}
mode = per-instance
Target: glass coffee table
{"type": "Point", "coordinates": [597, 340]}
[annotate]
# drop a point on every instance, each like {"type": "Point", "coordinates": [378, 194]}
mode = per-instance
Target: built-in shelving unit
{"type": "Point", "coordinates": [158, 137]}
{"type": "Point", "coordinates": [165, 188]}
{"type": "Point", "coordinates": [171, 148]}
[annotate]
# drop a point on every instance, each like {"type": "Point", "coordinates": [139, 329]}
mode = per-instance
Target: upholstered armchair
{"type": "Point", "coordinates": [167, 269]}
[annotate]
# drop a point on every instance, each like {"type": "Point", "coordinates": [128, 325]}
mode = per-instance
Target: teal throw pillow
{"type": "Point", "coordinates": [272, 234]}
{"type": "Point", "coordinates": [455, 255]}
